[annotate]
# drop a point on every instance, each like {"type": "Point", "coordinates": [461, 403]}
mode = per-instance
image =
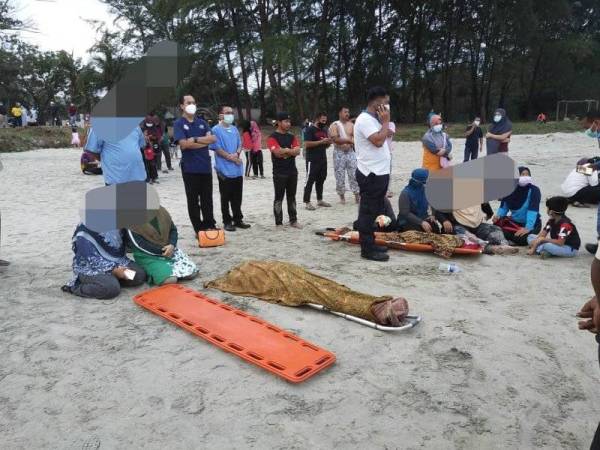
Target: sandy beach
{"type": "Point", "coordinates": [497, 363]}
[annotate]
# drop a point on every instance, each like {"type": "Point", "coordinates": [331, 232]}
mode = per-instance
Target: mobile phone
{"type": "Point", "coordinates": [585, 170]}
{"type": "Point", "coordinates": [129, 274]}
{"type": "Point", "coordinates": [387, 107]}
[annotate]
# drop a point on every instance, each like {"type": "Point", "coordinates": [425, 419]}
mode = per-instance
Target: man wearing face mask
{"type": "Point", "coordinates": [371, 133]}
{"type": "Point", "coordinates": [194, 136]}
{"type": "Point", "coordinates": [316, 142]}
{"type": "Point", "coordinates": [474, 140]}
{"type": "Point", "coordinates": [230, 169]}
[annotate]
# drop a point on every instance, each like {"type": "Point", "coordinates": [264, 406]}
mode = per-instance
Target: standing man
{"type": "Point", "coordinates": [17, 113]}
{"type": "Point", "coordinates": [344, 156]}
{"type": "Point", "coordinates": [284, 147]}
{"type": "Point", "coordinates": [3, 118]}
{"type": "Point", "coordinates": [373, 170]}
{"type": "Point", "coordinates": [229, 168]}
{"type": "Point", "coordinates": [54, 114]}
{"type": "Point", "coordinates": [194, 136]}
{"type": "Point", "coordinates": [122, 161]}
{"type": "Point", "coordinates": [474, 140]}
{"type": "Point", "coordinates": [72, 115]}
{"type": "Point", "coordinates": [316, 142]}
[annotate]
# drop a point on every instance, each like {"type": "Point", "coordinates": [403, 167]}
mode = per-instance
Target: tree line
{"type": "Point", "coordinates": [458, 57]}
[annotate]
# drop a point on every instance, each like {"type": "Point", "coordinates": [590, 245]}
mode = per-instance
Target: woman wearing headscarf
{"type": "Point", "coordinates": [519, 213]}
{"type": "Point", "coordinates": [498, 136]}
{"type": "Point", "coordinates": [154, 247]}
{"type": "Point", "coordinates": [100, 266]}
{"type": "Point", "coordinates": [436, 145]}
{"type": "Point", "coordinates": [413, 208]}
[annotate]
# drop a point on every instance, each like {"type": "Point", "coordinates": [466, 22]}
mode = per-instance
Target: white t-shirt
{"type": "Point", "coordinates": [370, 158]}
{"type": "Point", "coordinates": [575, 181]}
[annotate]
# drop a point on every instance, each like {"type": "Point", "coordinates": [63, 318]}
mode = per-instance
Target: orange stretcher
{"type": "Point", "coordinates": [336, 234]}
{"type": "Point", "coordinates": [235, 331]}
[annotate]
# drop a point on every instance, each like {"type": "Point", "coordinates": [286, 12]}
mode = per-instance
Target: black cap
{"type": "Point", "coordinates": [283, 116]}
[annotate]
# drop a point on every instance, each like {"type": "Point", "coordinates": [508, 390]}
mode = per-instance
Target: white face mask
{"type": "Point", "coordinates": [149, 124]}
{"type": "Point", "coordinates": [477, 123]}
{"type": "Point", "coordinates": [228, 119]}
{"type": "Point", "coordinates": [437, 128]}
{"type": "Point", "coordinates": [497, 118]}
{"type": "Point", "coordinates": [525, 180]}
{"type": "Point", "coordinates": [190, 109]}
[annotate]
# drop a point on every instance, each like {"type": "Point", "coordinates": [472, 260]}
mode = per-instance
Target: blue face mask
{"type": "Point", "coordinates": [591, 133]}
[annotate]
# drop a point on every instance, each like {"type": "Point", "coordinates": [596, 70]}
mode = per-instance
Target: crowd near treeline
{"type": "Point", "coordinates": [459, 57]}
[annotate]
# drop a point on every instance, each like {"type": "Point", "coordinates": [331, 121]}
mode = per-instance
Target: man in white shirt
{"type": "Point", "coordinates": [581, 188]}
{"type": "Point", "coordinates": [371, 130]}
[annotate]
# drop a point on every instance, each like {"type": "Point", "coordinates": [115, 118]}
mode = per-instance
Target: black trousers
{"type": "Point", "coordinates": [373, 189]}
{"type": "Point", "coordinates": [471, 153]}
{"type": "Point", "coordinates": [248, 164]}
{"type": "Point", "coordinates": [588, 194]}
{"type": "Point", "coordinates": [316, 173]}
{"type": "Point", "coordinates": [164, 149]}
{"type": "Point", "coordinates": [231, 190]}
{"type": "Point", "coordinates": [285, 185]}
{"type": "Point", "coordinates": [198, 187]}
{"type": "Point", "coordinates": [521, 241]}
{"type": "Point", "coordinates": [257, 163]}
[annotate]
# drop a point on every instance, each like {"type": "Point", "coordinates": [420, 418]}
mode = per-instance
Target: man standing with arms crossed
{"type": "Point", "coordinates": [373, 170]}
{"type": "Point", "coordinates": [194, 136]}
{"type": "Point", "coordinates": [344, 156]}
{"type": "Point", "coordinates": [230, 169]}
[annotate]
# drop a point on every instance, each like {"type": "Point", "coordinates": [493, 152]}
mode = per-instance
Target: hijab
{"type": "Point", "coordinates": [157, 230]}
{"type": "Point", "coordinates": [109, 244]}
{"type": "Point", "coordinates": [519, 196]}
{"type": "Point", "coordinates": [416, 192]}
{"type": "Point", "coordinates": [432, 140]}
{"type": "Point", "coordinates": [504, 126]}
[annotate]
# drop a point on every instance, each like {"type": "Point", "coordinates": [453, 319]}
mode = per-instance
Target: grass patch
{"type": "Point", "coordinates": [32, 138]}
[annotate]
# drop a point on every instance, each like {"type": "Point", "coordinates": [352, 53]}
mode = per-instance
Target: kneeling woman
{"type": "Point", "coordinates": [154, 247]}
{"type": "Point", "coordinates": [523, 205]}
{"type": "Point", "coordinates": [100, 266]}
{"type": "Point", "coordinates": [413, 208]}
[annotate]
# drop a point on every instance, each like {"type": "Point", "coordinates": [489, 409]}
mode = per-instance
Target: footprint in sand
{"type": "Point", "coordinates": [91, 443]}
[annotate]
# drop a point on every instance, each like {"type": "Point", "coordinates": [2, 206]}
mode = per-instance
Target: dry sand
{"type": "Point", "coordinates": [497, 363]}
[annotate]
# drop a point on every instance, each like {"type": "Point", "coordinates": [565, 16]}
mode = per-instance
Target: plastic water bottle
{"type": "Point", "coordinates": [449, 268]}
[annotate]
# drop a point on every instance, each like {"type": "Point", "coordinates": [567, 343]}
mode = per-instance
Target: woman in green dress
{"type": "Point", "coordinates": [154, 247]}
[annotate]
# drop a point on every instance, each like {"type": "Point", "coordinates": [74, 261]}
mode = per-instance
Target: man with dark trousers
{"type": "Point", "coordinates": [373, 169]}
{"type": "Point", "coordinates": [284, 148]}
{"type": "Point", "coordinates": [316, 142]}
{"type": "Point", "coordinates": [194, 136]}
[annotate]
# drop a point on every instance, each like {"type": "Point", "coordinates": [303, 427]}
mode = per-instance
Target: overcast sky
{"type": "Point", "coordinates": [61, 24]}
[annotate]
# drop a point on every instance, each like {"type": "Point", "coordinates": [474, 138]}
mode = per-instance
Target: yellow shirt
{"type": "Point", "coordinates": [16, 111]}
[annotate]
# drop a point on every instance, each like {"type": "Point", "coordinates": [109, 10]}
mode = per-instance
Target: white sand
{"type": "Point", "coordinates": [497, 363]}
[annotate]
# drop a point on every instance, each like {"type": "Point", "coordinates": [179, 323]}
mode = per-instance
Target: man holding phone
{"type": "Point", "coordinates": [316, 142]}
{"type": "Point", "coordinates": [373, 156]}
{"type": "Point", "coordinates": [473, 140]}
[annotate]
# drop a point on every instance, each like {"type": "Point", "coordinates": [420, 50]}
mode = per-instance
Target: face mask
{"type": "Point", "coordinates": [437, 128]}
{"type": "Point", "coordinates": [149, 125]}
{"type": "Point", "coordinates": [497, 118]}
{"type": "Point", "coordinates": [228, 119]}
{"type": "Point", "coordinates": [477, 122]}
{"type": "Point", "coordinates": [190, 109]}
{"type": "Point", "coordinates": [591, 133]}
{"type": "Point", "coordinates": [524, 181]}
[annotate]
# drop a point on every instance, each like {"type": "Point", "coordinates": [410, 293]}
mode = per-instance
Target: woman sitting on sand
{"type": "Point", "coordinates": [291, 285]}
{"type": "Point", "coordinates": [473, 220]}
{"type": "Point", "coordinates": [414, 211]}
{"type": "Point", "coordinates": [154, 247]}
{"type": "Point", "coordinates": [100, 266]}
{"type": "Point", "coordinates": [523, 205]}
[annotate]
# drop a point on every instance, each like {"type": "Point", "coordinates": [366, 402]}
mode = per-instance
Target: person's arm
{"type": "Point", "coordinates": [444, 219]}
{"type": "Point", "coordinates": [487, 209]}
{"type": "Point", "coordinates": [93, 144]}
{"type": "Point", "coordinates": [197, 142]}
{"type": "Point", "coordinates": [533, 209]}
{"type": "Point", "coordinates": [593, 179]}
{"type": "Point", "coordinates": [335, 135]}
{"type": "Point", "coordinates": [499, 137]}
{"type": "Point", "coordinates": [379, 137]}
{"type": "Point", "coordinates": [448, 145]}
{"type": "Point", "coordinates": [470, 130]}
{"type": "Point", "coordinates": [295, 150]}
{"type": "Point", "coordinates": [502, 211]}
{"type": "Point", "coordinates": [173, 235]}
{"type": "Point", "coordinates": [310, 140]}
{"type": "Point", "coordinates": [276, 149]}
{"type": "Point", "coordinates": [404, 211]}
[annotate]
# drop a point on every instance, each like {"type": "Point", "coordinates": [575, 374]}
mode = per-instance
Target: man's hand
{"type": "Point", "coordinates": [426, 226]}
{"type": "Point", "coordinates": [591, 312]}
{"type": "Point", "coordinates": [327, 141]}
{"type": "Point", "coordinates": [168, 250]}
{"type": "Point", "coordinates": [119, 272]}
{"type": "Point", "coordinates": [383, 113]}
{"type": "Point", "coordinates": [522, 232]}
{"type": "Point", "coordinates": [495, 218]}
{"type": "Point", "coordinates": [390, 133]}
{"type": "Point", "coordinates": [448, 228]}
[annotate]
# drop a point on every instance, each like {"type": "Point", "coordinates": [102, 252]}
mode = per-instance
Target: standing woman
{"type": "Point", "coordinates": [247, 145]}
{"type": "Point", "coordinates": [436, 145]}
{"type": "Point", "coordinates": [498, 136]}
{"type": "Point", "coordinates": [256, 155]}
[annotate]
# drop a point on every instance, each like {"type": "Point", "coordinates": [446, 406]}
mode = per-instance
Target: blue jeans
{"type": "Point", "coordinates": [553, 249]}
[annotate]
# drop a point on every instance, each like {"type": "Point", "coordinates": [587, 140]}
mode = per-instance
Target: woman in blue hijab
{"type": "Point", "coordinates": [413, 208]}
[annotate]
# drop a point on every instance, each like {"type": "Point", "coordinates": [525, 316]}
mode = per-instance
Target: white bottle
{"type": "Point", "coordinates": [449, 268]}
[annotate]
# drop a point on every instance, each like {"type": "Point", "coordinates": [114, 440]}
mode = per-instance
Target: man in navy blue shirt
{"type": "Point", "coordinates": [194, 136]}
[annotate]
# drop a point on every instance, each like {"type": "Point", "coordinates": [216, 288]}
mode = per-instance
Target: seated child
{"type": "Point", "coordinates": [559, 237]}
